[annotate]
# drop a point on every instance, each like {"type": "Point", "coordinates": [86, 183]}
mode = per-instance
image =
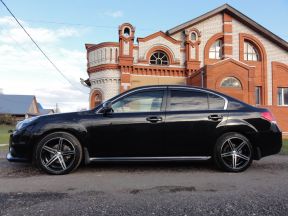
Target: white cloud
{"type": "Point", "coordinates": [9, 21]}
{"type": "Point", "coordinates": [10, 28]}
{"type": "Point", "coordinates": [114, 14]}
{"type": "Point", "coordinates": [24, 70]}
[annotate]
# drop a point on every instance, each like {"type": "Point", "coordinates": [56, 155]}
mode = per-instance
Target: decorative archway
{"type": "Point", "coordinates": [96, 98]}
{"type": "Point", "coordinates": [279, 79]}
{"type": "Point", "coordinates": [232, 68]}
{"type": "Point", "coordinates": [260, 65]}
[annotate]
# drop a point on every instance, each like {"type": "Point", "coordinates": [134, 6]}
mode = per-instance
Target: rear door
{"type": "Point", "coordinates": [193, 117]}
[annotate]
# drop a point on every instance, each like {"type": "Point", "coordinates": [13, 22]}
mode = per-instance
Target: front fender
{"type": "Point", "coordinates": [76, 129]}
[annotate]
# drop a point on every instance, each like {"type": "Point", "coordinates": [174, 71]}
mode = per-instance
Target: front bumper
{"type": "Point", "coordinates": [20, 147]}
{"type": "Point", "coordinates": [12, 158]}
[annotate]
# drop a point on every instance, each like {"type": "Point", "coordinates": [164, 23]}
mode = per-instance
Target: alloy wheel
{"type": "Point", "coordinates": [57, 154]}
{"type": "Point", "coordinates": [236, 153]}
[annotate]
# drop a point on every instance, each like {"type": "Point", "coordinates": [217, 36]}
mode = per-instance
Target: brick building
{"type": "Point", "coordinates": [223, 50]}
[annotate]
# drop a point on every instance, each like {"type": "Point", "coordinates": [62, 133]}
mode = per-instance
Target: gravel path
{"type": "Point", "coordinates": [146, 189]}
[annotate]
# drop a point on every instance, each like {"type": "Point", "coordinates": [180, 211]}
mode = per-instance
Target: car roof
{"type": "Point", "coordinates": [176, 86]}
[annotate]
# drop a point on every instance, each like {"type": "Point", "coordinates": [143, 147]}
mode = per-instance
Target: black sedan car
{"type": "Point", "coordinates": [152, 123]}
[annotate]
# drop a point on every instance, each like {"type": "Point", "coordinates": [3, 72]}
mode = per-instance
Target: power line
{"type": "Point", "coordinates": [54, 65]}
{"type": "Point", "coordinates": [27, 51]}
{"type": "Point", "coordinates": [82, 24]}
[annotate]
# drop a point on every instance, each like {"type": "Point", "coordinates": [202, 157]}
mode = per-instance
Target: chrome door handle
{"type": "Point", "coordinates": [154, 119]}
{"type": "Point", "coordinates": [215, 117]}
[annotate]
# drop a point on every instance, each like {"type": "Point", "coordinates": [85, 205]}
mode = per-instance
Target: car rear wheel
{"type": "Point", "coordinates": [233, 152]}
{"type": "Point", "coordinates": [58, 153]}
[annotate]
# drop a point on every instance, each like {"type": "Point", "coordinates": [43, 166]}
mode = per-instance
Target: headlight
{"type": "Point", "coordinates": [25, 122]}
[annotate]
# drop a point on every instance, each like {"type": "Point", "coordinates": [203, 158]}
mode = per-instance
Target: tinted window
{"type": "Point", "coordinates": [234, 105]}
{"type": "Point", "coordinates": [147, 101]}
{"type": "Point", "coordinates": [188, 100]}
{"type": "Point", "coordinates": [216, 102]}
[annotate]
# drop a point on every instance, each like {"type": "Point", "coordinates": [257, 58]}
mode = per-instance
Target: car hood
{"type": "Point", "coordinates": [65, 116]}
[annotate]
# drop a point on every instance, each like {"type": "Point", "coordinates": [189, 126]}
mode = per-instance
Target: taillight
{"type": "Point", "coordinates": [268, 116]}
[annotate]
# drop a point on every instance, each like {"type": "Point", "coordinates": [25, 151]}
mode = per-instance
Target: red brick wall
{"type": "Point", "coordinates": [281, 116]}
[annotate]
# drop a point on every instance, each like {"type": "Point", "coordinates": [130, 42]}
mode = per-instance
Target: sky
{"type": "Point", "coordinates": [61, 29]}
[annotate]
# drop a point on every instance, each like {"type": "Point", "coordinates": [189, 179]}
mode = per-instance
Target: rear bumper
{"type": "Point", "coordinates": [269, 142]}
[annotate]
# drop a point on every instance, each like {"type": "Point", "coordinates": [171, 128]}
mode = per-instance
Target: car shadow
{"type": "Point", "coordinates": [178, 166]}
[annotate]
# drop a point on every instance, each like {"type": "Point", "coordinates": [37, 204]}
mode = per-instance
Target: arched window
{"type": "Point", "coordinates": [193, 36]}
{"type": "Point", "coordinates": [250, 52]}
{"type": "Point", "coordinates": [97, 99]}
{"type": "Point", "coordinates": [231, 82]}
{"type": "Point", "coordinates": [215, 51]}
{"type": "Point", "coordinates": [159, 58]}
{"type": "Point", "coordinates": [126, 32]}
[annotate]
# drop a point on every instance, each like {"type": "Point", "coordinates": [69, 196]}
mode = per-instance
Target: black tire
{"type": "Point", "coordinates": [58, 153]}
{"type": "Point", "coordinates": [233, 152]}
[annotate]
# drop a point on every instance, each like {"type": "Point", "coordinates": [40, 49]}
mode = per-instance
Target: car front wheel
{"type": "Point", "coordinates": [58, 153]}
{"type": "Point", "coordinates": [233, 152]}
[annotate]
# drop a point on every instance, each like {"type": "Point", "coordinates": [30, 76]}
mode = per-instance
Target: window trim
{"type": "Point", "coordinates": [282, 101]}
{"type": "Point", "coordinates": [159, 51]}
{"type": "Point", "coordinates": [215, 52]}
{"type": "Point", "coordinates": [196, 36]}
{"type": "Point", "coordinates": [254, 47]}
{"type": "Point", "coordinates": [231, 87]}
{"type": "Point", "coordinates": [124, 34]}
{"type": "Point", "coordinates": [166, 96]}
{"type": "Point", "coordinates": [260, 95]}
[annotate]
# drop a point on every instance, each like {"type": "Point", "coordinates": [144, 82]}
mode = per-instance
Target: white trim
{"type": "Point", "coordinates": [161, 66]}
{"type": "Point", "coordinates": [234, 60]}
{"type": "Point", "coordinates": [159, 76]}
{"type": "Point", "coordinates": [282, 97]}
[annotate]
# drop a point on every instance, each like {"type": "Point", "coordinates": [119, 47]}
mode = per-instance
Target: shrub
{"type": "Point", "coordinates": [7, 119]}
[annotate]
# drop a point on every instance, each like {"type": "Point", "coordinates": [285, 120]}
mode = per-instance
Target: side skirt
{"type": "Point", "coordinates": [181, 158]}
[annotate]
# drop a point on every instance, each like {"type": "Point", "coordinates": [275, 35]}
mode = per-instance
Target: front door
{"type": "Point", "coordinates": [134, 128]}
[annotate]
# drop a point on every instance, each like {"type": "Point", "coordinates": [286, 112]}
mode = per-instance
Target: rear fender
{"type": "Point", "coordinates": [243, 127]}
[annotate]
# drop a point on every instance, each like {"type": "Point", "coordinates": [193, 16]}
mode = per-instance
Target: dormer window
{"type": "Point", "coordinates": [215, 51]}
{"type": "Point", "coordinates": [159, 58]}
{"type": "Point", "coordinates": [126, 32]}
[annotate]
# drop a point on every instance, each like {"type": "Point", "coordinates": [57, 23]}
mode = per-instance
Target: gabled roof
{"type": "Point", "coordinates": [46, 111]}
{"type": "Point", "coordinates": [15, 104]}
{"type": "Point", "coordinates": [238, 15]}
{"type": "Point", "coordinates": [43, 111]}
{"type": "Point", "coordinates": [157, 34]}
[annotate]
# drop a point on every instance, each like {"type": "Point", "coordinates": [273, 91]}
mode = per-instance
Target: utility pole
{"type": "Point", "coordinates": [57, 109]}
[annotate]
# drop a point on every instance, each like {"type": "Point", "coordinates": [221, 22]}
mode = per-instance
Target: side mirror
{"type": "Point", "coordinates": [107, 107]}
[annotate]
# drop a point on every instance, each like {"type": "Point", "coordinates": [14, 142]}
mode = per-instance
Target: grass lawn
{"type": "Point", "coordinates": [4, 135]}
{"type": "Point", "coordinates": [284, 149]}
